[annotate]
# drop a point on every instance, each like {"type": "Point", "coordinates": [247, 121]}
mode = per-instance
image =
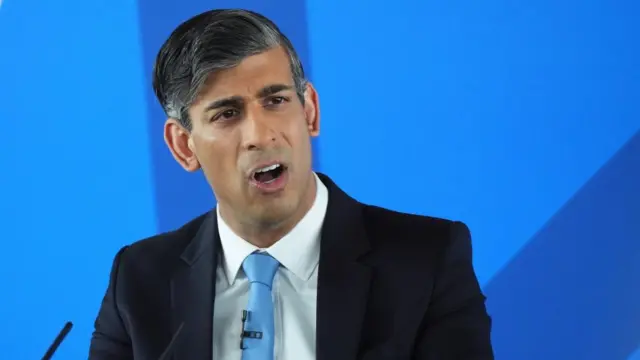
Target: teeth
{"type": "Point", "coordinates": [268, 168]}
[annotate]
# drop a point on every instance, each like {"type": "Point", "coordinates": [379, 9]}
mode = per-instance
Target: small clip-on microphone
{"type": "Point", "coordinates": [247, 334]}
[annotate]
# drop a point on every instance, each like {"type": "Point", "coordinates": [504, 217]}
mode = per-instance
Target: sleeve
{"type": "Point", "coordinates": [110, 340]}
{"type": "Point", "coordinates": [456, 325]}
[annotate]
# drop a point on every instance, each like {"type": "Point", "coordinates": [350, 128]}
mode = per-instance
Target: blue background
{"type": "Point", "coordinates": [521, 118]}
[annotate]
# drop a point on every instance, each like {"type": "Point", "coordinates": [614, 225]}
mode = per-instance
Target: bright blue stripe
{"type": "Point", "coordinates": [76, 181]}
{"type": "Point", "coordinates": [486, 112]}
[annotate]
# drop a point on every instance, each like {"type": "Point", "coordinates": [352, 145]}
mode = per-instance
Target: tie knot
{"type": "Point", "coordinates": [260, 267]}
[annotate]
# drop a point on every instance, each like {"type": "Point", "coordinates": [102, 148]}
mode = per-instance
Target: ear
{"type": "Point", "coordinates": [312, 110]}
{"type": "Point", "coordinates": [180, 143]}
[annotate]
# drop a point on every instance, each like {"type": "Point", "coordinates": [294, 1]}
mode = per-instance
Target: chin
{"type": "Point", "coordinates": [275, 212]}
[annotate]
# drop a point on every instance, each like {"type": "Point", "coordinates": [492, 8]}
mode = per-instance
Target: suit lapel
{"type": "Point", "coordinates": [343, 282]}
{"type": "Point", "coordinates": [193, 293]}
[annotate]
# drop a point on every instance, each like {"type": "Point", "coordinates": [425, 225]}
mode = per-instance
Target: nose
{"type": "Point", "coordinates": [258, 132]}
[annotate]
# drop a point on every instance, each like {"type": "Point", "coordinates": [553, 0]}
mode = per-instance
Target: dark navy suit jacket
{"type": "Point", "coordinates": [390, 286]}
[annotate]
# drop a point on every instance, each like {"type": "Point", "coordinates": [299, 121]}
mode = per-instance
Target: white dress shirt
{"type": "Point", "coordinates": [294, 287]}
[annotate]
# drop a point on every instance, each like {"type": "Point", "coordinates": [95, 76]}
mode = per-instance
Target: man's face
{"type": "Point", "coordinates": [251, 136]}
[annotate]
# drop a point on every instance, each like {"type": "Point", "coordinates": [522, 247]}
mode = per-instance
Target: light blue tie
{"type": "Point", "coordinates": [259, 332]}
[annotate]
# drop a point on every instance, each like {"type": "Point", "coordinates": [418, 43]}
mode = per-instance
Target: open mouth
{"type": "Point", "coordinates": [269, 174]}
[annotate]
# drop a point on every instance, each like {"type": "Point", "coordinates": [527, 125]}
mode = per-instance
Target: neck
{"type": "Point", "coordinates": [263, 234]}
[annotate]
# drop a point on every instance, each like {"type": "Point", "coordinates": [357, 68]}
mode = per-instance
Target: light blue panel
{"type": "Point", "coordinates": [493, 113]}
{"type": "Point", "coordinates": [76, 178]}
{"type": "Point", "coordinates": [571, 292]}
{"type": "Point", "coordinates": [635, 355]}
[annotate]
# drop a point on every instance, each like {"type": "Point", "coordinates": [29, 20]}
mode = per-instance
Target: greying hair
{"type": "Point", "coordinates": [210, 42]}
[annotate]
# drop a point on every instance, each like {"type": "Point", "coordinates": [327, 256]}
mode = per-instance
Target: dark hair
{"type": "Point", "coordinates": [209, 42]}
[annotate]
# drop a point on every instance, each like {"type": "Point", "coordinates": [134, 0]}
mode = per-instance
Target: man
{"type": "Point", "coordinates": [287, 266]}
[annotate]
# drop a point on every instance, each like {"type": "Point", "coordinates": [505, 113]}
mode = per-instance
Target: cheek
{"type": "Point", "coordinates": [214, 152]}
{"type": "Point", "coordinates": [218, 161]}
{"type": "Point", "coordinates": [297, 127]}
{"type": "Point", "coordinates": [300, 142]}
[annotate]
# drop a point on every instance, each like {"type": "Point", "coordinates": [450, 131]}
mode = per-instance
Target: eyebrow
{"type": "Point", "coordinates": [273, 89]}
{"type": "Point", "coordinates": [233, 101]}
{"type": "Point", "coordinates": [236, 101]}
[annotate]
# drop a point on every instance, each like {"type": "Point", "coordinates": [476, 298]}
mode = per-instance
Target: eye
{"type": "Point", "coordinates": [276, 100]}
{"type": "Point", "coordinates": [225, 115]}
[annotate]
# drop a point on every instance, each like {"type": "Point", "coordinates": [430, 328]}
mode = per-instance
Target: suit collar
{"type": "Point", "coordinates": [193, 292]}
{"type": "Point", "coordinates": [343, 280]}
{"type": "Point", "coordinates": [343, 230]}
{"type": "Point", "coordinates": [205, 240]}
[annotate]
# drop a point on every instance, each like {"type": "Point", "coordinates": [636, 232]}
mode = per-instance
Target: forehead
{"type": "Point", "coordinates": [253, 73]}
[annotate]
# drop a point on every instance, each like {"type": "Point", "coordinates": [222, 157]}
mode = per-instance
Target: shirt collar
{"type": "Point", "coordinates": [298, 251]}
